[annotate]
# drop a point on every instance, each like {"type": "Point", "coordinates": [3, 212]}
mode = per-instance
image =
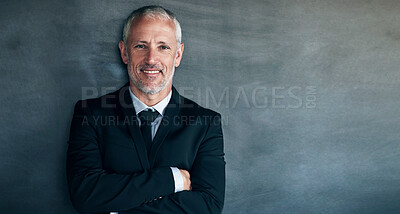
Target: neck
{"type": "Point", "coordinates": [150, 99]}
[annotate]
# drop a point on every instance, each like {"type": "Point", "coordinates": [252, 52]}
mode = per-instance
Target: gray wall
{"type": "Point", "coordinates": [309, 91]}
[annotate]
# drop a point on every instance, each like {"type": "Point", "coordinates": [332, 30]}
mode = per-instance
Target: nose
{"type": "Point", "coordinates": [151, 56]}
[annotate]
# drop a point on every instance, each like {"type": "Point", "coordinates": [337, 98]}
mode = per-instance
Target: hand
{"type": "Point", "coordinates": [187, 185]}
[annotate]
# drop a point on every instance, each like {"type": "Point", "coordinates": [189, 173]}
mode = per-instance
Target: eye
{"type": "Point", "coordinates": [164, 47]}
{"type": "Point", "coordinates": [139, 46]}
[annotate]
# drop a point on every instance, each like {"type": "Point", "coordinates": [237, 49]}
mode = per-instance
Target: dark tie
{"type": "Point", "coordinates": [146, 118]}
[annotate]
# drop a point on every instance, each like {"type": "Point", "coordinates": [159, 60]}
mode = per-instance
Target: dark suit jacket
{"type": "Point", "coordinates": [109, 169]}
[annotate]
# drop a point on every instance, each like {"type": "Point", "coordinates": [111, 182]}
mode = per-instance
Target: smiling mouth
{"type": "Point", "coordinates": [151, 72]}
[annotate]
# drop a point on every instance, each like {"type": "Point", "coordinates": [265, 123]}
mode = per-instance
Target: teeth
{"type": "Point", "coordinates": [151, 72]}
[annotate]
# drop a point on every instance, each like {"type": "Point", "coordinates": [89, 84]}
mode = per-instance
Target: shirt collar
{"type": "Point", "coordinates": [159, 107]}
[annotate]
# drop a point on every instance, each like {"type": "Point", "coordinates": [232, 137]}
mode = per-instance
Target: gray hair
{"type": "Point", "coordinates": [152, 12]}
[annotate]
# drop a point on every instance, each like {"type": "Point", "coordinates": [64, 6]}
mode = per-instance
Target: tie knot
{"type": "Point", "coordinates": [148, 116]}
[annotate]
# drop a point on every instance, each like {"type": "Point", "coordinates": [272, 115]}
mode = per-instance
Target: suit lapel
{"type": "Point", "coordinates": [131, 121]}
{"type": "Point", "coordinates": [170, 119]}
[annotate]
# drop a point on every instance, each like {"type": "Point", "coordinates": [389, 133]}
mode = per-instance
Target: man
{"type": "Point", "coordinates": [145, 148]}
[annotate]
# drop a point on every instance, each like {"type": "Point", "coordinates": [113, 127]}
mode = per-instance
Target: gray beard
{"type": "Point", "coordinates": [141, 86]}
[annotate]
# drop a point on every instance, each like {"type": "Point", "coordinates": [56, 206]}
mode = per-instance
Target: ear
{"type": "Point", "coordinates": [179, 53]}
{"type": "Point", "coordinates": [122, 49]}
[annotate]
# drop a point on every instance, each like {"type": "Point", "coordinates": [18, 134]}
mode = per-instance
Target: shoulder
{"type": "Point", "coordinates": [103, 103]}
{"type": "Point", "coordinates": [190, 108]}
{"type": "Point", "coordinates": [197, 117]}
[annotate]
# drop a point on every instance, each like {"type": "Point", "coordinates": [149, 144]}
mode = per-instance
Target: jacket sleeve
{"type": "Point", "coordinates": [94, 190]}
{"type": "Point", "coordinates": [207, 177]}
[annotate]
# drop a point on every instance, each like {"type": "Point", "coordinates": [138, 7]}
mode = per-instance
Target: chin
{"type": "Point", "coordinates": [151, 90]}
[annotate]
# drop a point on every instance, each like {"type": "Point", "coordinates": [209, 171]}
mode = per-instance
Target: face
{"type": "Point", "coordinates": [151, 54]}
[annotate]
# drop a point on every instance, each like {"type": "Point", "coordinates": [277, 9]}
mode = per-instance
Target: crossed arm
{"type": "Point", "coordinates": [95, 190]}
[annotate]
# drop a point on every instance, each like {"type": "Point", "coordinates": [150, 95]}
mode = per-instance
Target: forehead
{"type": "Point", "coordinates": [143, 27]}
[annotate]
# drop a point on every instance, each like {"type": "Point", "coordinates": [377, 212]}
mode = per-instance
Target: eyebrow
{"type": "Point", "coordinates": [145, 42]}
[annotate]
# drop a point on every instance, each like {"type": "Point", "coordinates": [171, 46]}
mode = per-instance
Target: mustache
{"type": "Point", "coordinates": [153, 67]}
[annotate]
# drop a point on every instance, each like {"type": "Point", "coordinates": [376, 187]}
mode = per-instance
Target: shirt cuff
{"type": "Point", "coordinates": [178, 180]}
